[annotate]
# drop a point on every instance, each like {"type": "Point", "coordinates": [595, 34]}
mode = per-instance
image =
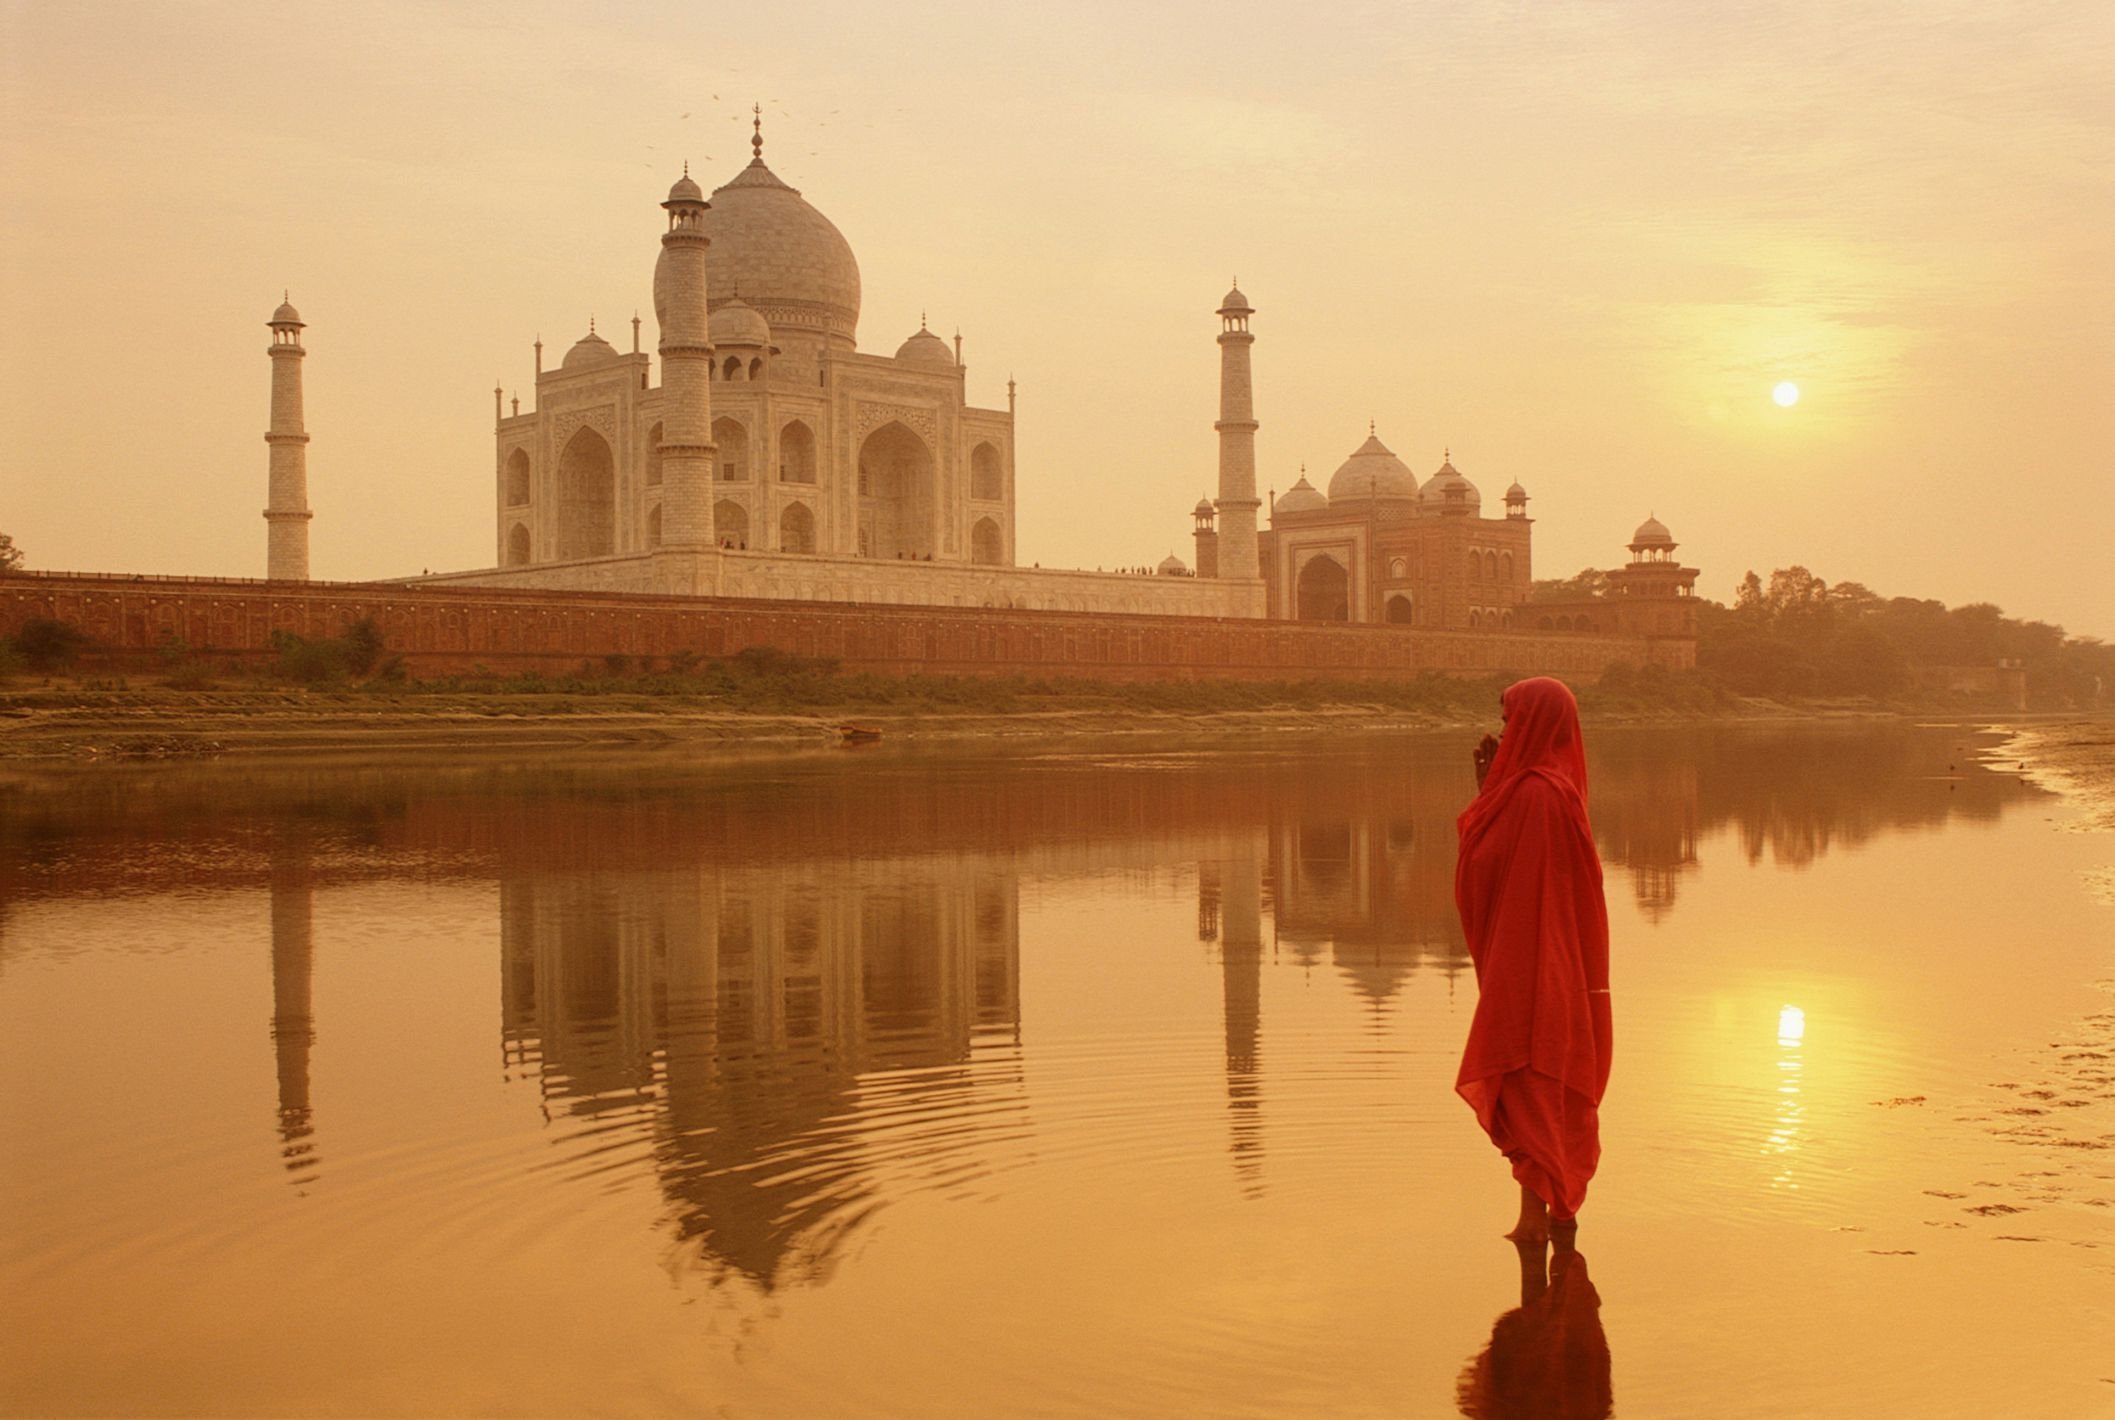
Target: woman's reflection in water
{"type": "Point", "coordinates": [1548, 1358]}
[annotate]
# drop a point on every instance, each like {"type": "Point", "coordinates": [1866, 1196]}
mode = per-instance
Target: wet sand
{"type": "Point", "coordinates": [2074, 759]}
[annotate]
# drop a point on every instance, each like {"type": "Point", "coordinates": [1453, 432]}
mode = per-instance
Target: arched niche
{"type": "Point", "coordinates": [517, 554]}
{"type": "Point", "coordinates": [732, 437]}
{"type": "Point", "coordinates": [653, 457]}
{"type": "Point", "coordinates": [1505, 567]}
{"type": "Point", "coordinates": [587, 497]}
{"type": "Point", "coordinates": [730, 523]}
{"type": "Point", "coordinates": [796, 453]}
{"type": "Point", "coordinates": [653, 526]}
{"type": "Point", "coordinates": [986, 547]}
{"type": "Point", "coordinates": [1324, 591]}
{"type": "Point", "coordinates": [895, 493]}
{"type": "Point", "coordinates": [518, 479]}
{"type": "Point", "coordinates": [796, 528]}
{"type": "Point", "coordinates": [1399, 610]}
{"type": "Point", "coordinates": [987, 477]}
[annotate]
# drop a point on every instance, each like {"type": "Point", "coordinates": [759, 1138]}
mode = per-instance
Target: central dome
{"type": "Point", "coordinates": [781, 256]}
{"type": "Point", "coordinates": [1372, 472]}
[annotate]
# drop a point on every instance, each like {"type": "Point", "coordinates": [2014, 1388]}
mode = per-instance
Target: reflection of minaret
{"type": "Point", "coordinates": [1240, 891]}
{"type": "Point", "coordinates": [293, 1025]}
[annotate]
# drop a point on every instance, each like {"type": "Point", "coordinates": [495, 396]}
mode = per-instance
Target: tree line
{"type": "Point", "coordinates": [1799, 635]}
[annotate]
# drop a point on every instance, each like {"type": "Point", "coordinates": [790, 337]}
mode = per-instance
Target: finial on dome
{"type": "Point", "coordinates": [921, 320]}
{"type": "Point", "coordinates": [686, 167]}
{"type": "Point", "coordinates": [1371, 431]}
{"type": "Point", "coordinates": [756, 138]}
{"type": "Point", "coordinates": [591, 325]}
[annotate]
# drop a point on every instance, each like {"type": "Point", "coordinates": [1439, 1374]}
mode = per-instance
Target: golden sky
{"type": "Point", "coordinates": [1579, 244]}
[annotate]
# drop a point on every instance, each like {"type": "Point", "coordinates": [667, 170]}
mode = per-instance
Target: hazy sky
{"type": "Point", "coordinates": [1578, 243]}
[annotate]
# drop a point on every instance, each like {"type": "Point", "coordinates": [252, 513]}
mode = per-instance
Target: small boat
{"type": "Point", "coordinates": [859, 734]}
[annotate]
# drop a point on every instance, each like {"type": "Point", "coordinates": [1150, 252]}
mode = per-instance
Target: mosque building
{"type": "Point", "coordinates": [775, 459]}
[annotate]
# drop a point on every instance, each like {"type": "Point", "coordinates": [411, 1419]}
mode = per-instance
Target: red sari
{"type": "Point", "coordinates": [1528, 886]}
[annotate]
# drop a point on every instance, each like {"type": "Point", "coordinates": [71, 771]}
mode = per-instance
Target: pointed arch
{"type": "Point", "coordinates": [517, 554]}
{"type": "Point", "coordinates": [1324, 591]}
{"type": "Point", "coordinates": [1505, 566]}
{"type": "Point", "coordinates": [1399, 610]}
{"type": "Point", "coordinates": [987, 548]}
{"type": "Point", "coordinates": [796, 453]}
{"type": "Point", "coordinates": [732, 438]}
{"type": "Point", "coordinates": [518, 479]}
{"type": "Point", "coordinates": [653, 457]}
{"type": "Point", "coordinates": [587, 497]}
{"type": "Point", "coordinates": [796, 528]}
{"type": "Point", "coordinates": [653, 526]}
{"type": "Point", "coordinates": [730, 523]}
{"type": "Point", "coordinates": [896, 488]}
{"type": "Point", "coordinates": [987, 477]}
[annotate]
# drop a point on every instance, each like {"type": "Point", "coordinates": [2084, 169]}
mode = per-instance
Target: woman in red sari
{"type": "Point", "coordinates": [1528, 886]}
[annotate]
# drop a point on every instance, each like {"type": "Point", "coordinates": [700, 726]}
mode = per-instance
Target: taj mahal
{"type": "Point", "coordinates": [777, 460]}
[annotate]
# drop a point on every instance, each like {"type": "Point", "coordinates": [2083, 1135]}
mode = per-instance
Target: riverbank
{"type": "Point", "coordinates": [2072, 758]}
{"type": "Point", "coordinates": [98, 720]}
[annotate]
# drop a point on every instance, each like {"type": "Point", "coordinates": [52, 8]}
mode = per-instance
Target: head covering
{"type": "Point", "coordinates": [1528, 886]}
{"type": "Point", "coordinates": [1541, 737]}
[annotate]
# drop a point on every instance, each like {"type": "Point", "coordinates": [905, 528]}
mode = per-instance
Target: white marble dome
{"type": "Point", "coordinates": [1652, 533]}
{"type": "Point", "coordinates": [736, 323]}
{"type": "Point", "coordinates": [784, 258]}
{"type": "Point", "coordinates": [590, 349]}
{"type": "Point", "coordinates": [285, 315]}
{"type": "Point", "coordinates": [1302, 497]}
{"type": "Point", "coordinates": [1173, 566]}
{"type": "Point", "coordinates": [1372, 472]}
{"type": "Point", "coordinates": [686, 189]}
{"type": "Point", "coordinates": [925, 348]}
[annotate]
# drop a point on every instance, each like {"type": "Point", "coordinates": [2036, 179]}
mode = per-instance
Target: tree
{"type": "Point", "coordinates": [10, 555]}
{"type": "Point", "coordinates": [1748, 597]}
{"type": "Point", "coordinates": [1585, 584]}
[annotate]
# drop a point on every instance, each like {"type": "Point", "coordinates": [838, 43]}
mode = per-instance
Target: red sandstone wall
{"type": "Point", "coordinates": [442, 629]}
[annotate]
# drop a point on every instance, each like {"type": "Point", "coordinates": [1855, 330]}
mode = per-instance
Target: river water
{"type": "Point", "coordinates": [1087, 1079]}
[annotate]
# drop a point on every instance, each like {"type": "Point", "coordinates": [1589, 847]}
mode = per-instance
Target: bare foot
{"type": "Point", "coordinates": [1534, 1223]}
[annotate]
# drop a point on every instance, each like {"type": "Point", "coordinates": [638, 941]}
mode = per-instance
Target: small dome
{"type": "Point", "coordinates": [1652, 533]}
{"type": "Point", "coordinates": [1372, 472]}
{"type": "Point", "coordinates": [1516, 494]}
{"type": "Point", "coordinates": [1204, 509]}
{"type": "Point", "coordinates": [590, 349]}
{"type": "Point", "coordinates": [1302, 497]}
{"type": "Point", "coordinates": [1172, 566]}
{"type": "Point", "coordinates": [1450, 492]}
{"type": "Point", "coordinates": [685, 190]}
{"type": "Point", "coordinates": [1234, 302]}
{"type": "Point", "coordinates": [285, 315]}
{"type": "Point", "coordinates": [737, 323]}
{"type": "Point", "coordinates": [925, 348]}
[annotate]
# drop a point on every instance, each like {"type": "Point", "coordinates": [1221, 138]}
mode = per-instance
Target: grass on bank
{"type": "Point", "coordinates": [358, 668]}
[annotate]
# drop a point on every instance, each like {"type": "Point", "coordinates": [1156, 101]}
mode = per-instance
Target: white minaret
{"type": "Point", "coordinates": [1237, 502]}
{"type": "Point", "coordinates": [687, 451]}
{"type": "Point", "coordinates": [286, 511]}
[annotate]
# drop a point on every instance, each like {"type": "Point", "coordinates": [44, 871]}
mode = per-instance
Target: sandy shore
{"type": "Point", "coordinates": [2073, 758]}
{"type": "Point", "coordinates": [62, 721]}
{"type": "Point", "coordinates": [168, 724]}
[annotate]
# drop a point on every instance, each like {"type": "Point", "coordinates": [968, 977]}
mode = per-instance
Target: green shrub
{"type": "Point", "coordinates": [45, 643]}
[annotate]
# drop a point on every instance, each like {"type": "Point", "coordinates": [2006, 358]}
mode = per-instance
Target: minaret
{"type": "Point", "coordinates": [293, 1019]}
{"type": "Point", "coordinates": [1237, 502]}
{"type": "Point", "coordinates": [687, 451]}
{"type": "Point", "coordinates": [286, 511]}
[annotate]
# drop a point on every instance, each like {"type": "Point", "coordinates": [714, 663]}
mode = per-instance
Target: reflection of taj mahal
{"type": "Point", "coordinates": [775, 459]}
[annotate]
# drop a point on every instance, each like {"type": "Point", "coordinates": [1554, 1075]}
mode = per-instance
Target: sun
{"type": "Point", "coordinates": [1786, 394]}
